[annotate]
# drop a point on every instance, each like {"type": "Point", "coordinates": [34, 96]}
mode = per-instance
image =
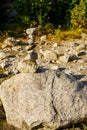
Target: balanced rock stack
{"type": "Point", "coordinates": [28, 64]}
{"type": "Point", "coordinates": [32, 33]}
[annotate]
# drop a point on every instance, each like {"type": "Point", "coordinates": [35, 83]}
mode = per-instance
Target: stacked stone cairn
{"type": "Point", "coordinates": [32, 33]}
{"type": "Point", "coordinates": [30, 59]}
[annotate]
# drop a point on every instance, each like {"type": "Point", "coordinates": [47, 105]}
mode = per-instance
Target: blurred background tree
{"type": "Point", "coordinates": [78, 15]}
{"type": "Point", "coordinates": [58, 13]}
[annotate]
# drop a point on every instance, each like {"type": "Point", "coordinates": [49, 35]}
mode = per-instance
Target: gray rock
{"type": "Point", "coordinates": [31, 31]}
{"type": "Point", "coordinates": [30, 47]}
{"type": "Point", "coordinates": [49, 54]}
{"type": "Point", "coordinates": [55, 45]}
{"type": "Point", "coordinates": [54, 67]}
{"type": "Point", "coordinates": [30, 41]}
{"type": "Point", "coordinates": [72, 51]}
{"type": "Point", "coordinates": [67, 58]}
{"type": "Point", "coordinates": [32, 37]}
{"type": "Point", "coordinates": [84, 36]}
{"type": "Point", "coordinates": [9, 65]}
{"type": "Point", "coordinates": [27, 66]}
{"type": "Point", "coordinates": [43, 38]}
{"type": "Point", "coordinates": [74, 44]}
{"type": "Point", "coordinates": [32, 55]}
{"type": "Point", "coordinates": [16, 48]}
{"type": "Point", "coordinates": [81, 47]}
{"type": "Point", "coordinates": [9, 42]}
{"type": "Point", "coordinates": [3, 64]}
{"type": "Point", "coordinates": [47, 100]}
{"type": "Point", "coordinates": [2, 55]}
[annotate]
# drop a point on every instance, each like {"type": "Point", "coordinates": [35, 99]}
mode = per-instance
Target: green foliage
{"type": "Point", "coordinates": [49, 28]}
{"type": "Point", "coordinates": [73, 127]}
{"type": "Point", "coordinates": [46, 29]}
{"type": "Point", "coordinates": [45, 11]}
{"type": "Point", "coordinates": [65, 13]}
{"type": "Point", "coordinates": [84, 126]}
{"type": "Point", "coordinates": [59, 12]}
{"type": "Point", "coordinates": [35, 10]}
{"type": "Point", "coordinates": [78, 15]}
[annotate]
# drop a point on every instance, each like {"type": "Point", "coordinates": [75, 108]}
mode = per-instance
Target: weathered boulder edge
{"type": "Point", "coordinates": [52, 99]}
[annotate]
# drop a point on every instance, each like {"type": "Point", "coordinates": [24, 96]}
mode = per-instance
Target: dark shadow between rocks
{"type": "Point", "coordinates": [70, 77]}
{"type": "Point", "coordinates": [3, 75]}
{"type": "Point", "coordinates": [2, 113]}
{"type": "Point", "coordinates": [40, 126]}
{"type": "Point", "coordinates": [81, 85]}
{"type": "Point", "coordinates": [82, 53]}
{"type": "Point", "coordinates": [41, 69]}
{"type": "Point", "coordinates": [75, 125]}
{"type": "Point", "coordinates": [79, 76]}
{"type": "Point", "coordinates": [61, 69]}
{"type": "Point", "coordinates": [74, 58]}
{"type": "Point", "coordinates": [22, 43]}
{"type": "Point", "coordinates": [84, 82]}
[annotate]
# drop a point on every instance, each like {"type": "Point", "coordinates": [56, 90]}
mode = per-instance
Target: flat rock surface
{"type": "Point", "coordinates": [52, 99]}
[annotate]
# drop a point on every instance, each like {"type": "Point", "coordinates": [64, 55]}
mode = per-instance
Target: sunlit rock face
{"type": "Point", "coordinates": [47, 100]}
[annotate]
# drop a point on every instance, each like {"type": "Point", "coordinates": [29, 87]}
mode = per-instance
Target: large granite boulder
{"type": "Point", "coordinates": [43, 101]}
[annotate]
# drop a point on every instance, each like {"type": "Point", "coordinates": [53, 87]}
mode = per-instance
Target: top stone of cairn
{"type": "Point", "coordinates": [31, 31]}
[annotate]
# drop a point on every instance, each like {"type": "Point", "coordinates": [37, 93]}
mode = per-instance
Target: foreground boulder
{"type": "Point", "coordinates": [48, 100]}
